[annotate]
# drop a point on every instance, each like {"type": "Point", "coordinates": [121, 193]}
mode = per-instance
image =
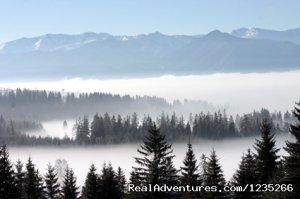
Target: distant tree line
{"type": "Point", "coordinates": [12, 131]}
{"type": "Point", "coordinates": [45, 105]}
{"type": "Point", "coordinates": [154, 166]}
{"type": "Point", "coordinates": [115, 129]}
{"type": "Point", "coordinates": [106, 129]}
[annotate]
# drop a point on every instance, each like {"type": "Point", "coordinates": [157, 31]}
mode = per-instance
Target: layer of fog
{"type": "Point", "coordinates": [55, 128]}
{"type": "Point", "coordinates": [242, 92]}
{"type": "Point", "coordinates": [80, 158]}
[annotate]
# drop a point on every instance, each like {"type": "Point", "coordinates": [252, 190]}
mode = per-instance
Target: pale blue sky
{"type": "Point", "coordinates": [27, 18]}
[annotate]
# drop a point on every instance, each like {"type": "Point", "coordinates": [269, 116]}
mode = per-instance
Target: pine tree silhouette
{"type": "Point", "coordinates": [33, 183]}
{"type": "Point", "coordinates": [292, 161]}
{"type": "Point", "coordinates": [246, 174]}
{"type": "Point", "coordinates": [52, 186]}
{"type": "Point", "coordinates": [91, 185]}
{"type": "Point", "coordinates": [7, 181]}
{"type": "Point", "coordinates": [214, 177]}
{"type": "Point", "coordinates": [155, 167]}
{"type": "Point", "coordinates": [69, 189]}
{"type": "Point", "coordinates": [266, 154]}
{"type": "Point", "coordinates": [190, 173]}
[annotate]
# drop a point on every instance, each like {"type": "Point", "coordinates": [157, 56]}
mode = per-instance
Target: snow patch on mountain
{"type": "Point", "coordinates": [37, 44]}
{"type": "Point", "coordinates": [250, 33]}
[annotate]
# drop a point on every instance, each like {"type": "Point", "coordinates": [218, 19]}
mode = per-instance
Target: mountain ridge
{"type": "Point", "coordinates": [291, 35]}
{"type": "Point", "coordinates": [94, 54]}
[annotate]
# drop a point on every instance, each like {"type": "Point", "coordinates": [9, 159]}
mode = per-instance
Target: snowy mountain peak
{"type": "Point", "coordinates": [250, 33]}
{"type": "Point", "coordinates": [291, 35]}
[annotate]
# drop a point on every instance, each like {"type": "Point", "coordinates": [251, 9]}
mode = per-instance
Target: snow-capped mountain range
{"type": "Point", "coordinates": [100, 54]}
{"type": "Point", "coordinates": [63, 42]}
{"type": "Point", "coordinates": [292, 35]}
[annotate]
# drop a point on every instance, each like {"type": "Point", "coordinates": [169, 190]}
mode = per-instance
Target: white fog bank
{"type": "Point", "coordinates": [242, 92]}
{"type": "Point", "coordinates": [229, 152]}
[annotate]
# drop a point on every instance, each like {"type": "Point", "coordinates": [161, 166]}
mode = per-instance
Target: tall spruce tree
{"type": "Point", "coordinates": [19, 179]}
{"type": "Point", "coordinates": [91, 185]}
{"type": "Point", "coordinates": [155, 165]}
{"type": "Point", "coordinates": [7, 181]}
{"type": "Point", "coordinates": [266, 154]}
{"type": "Point", "coordinates": [52, 190]}
{"type": "Point", "coordinates": [190, 173]}
{"type": "Point", "coordinates": [33, 183]}
{"type": "Point", "coordinates": [214, 177]}
{"type": "Point", "coordinates": [108, 183]}
{"type": "Point", "coordinates": [292, 161]}
{"type": "Point", "coordinates": [69, 189]}
{"type": "Point", "coordinates": [120, 177]}
{"type": "Point", "coordinates": [82, 130]}
{"type": "Point", "coordinates": [246, 174]}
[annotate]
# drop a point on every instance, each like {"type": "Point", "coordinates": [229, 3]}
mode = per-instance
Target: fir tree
{"type": "Point", "coordinates": [69, 189]}
{"type": "Point", "coordinates": [19, 179]}
{"type": "Point", "coordinates": [189, 173]}
{"type": "Point", "coordinates": [33, 183]}
{"type": "Point", "coordinates": [214, 177]}
{"type": "Point", "coordinates": [154, 166]}
{"type": "Point", "coordinates": [266, 154]}
{"type": "Point", "coordinates": [7, 182]}
{"type": "Point", "coordinates": [292, 161]}
{"type": "Point", "coordinates": [82, 130]}
{"type": "Point", "coordinates": [91, 185]}
{"type": "Point", "coordinates": [246, 174]}
{"type": "Point", "coordinates": [52, 186]}
{"type": "Point", "coordinates": [120, 177]}
{"type": "Point", "coordinates": [171, 177]}
{"type": "Point", "coordinates": [97, 129]}
{"type": "Point", "coordinates": [108, 184]}
{"type": "Point", "coordinates": [203, 169]}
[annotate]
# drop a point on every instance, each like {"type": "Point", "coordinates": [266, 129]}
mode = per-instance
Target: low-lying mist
{"type": "Point", "coordinates": [240, 93]}
{"type": "Point", "coordinates": [80, 158]}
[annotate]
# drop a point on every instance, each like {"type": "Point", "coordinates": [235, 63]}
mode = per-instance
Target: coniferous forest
{"type": "Point", "coordinates": [22, 111]}
{"type": "Point", "coordinates": [108, 129]}
{"type": "Point", "coordinates": [46, 105]}
{"type": "Point", "coordinates": [261, 173]}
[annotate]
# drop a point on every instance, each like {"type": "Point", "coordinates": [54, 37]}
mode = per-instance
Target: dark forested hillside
{"type": "Point", "coordinates": [46, 105]}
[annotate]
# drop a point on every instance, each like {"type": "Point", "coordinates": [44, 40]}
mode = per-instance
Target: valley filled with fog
{"type": "Point", "coordinates": [235, 92]}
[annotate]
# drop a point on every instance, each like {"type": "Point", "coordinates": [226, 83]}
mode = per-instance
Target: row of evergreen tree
{"type": "Point", "coordinates": [52, 105]}
{"type": "Point", "coordinates": [115, 129]}
{"type": "Point", "coordinates": [28, 183]}
{"type": "Point", "coordinates": [155, 167]}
